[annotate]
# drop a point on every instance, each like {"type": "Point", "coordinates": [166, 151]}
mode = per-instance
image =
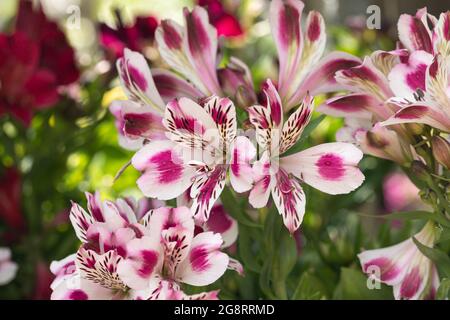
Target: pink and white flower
{"type": "Point", "coordinates": [433, 99]}
{"type": "Point", "coordinates": [8, 268]}
{"type": "Point", "coordinates": [202, 147]}
{"type": "Point", "coordinates": [331, 167]}
{"type": "Point", "coordinates": [129, 254]}
{"type": "Point", "coordinates": [407, 85]}
{"type": "Point", "coordinates": [301, 68]}
{"type": "Point", "coordinates": [104, 232]}
{"type": "Point", "coordinates": [139, 119]}
{"type": "Point", "coordinates": [172, 255]}
{"type": "Point", "coordinates": [402, 266]}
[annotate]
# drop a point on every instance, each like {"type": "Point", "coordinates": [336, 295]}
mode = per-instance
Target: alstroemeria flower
{"type": "Point", "coordinates": [330, 167]}
{"type": "Point", "coordinates": [219, 220]}
{"type": "Point", "coordinates": [301, 68]}
{"type": "Point", "coordinates": [407, 85]}
{"type": "Point", "coordinates": [433, 97]}
{"type": "Point", "coordinates": [371, 100]}
{"type": "Point", "coordinates": [412, 275]}
{"type": "Point", "coordinates": [201, 150]}
{"type": "Point", "coordinates": [191, 50]}
{"type": "Point", "coordinates": [8, 268]}
{"type": "Point", "coordinates": [171, 255]}
{"type": "Point", "coordinates": [384, 143]}
{"type": "Point", "coordinates": [105, 230]}
{"type": "Point", "coordinates": [140, 118]}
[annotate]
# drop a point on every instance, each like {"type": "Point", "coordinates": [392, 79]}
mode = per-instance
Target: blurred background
{"type": "Point", "coordinates": [65, 143]}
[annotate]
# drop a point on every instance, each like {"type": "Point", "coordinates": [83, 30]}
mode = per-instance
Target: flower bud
{"type": "Point", "coordinates": [441, 151]}
{"type": "Point", "coordinates": [245, 97]}
{"type": "Point", "coordinates": [414, 128]}
{"type": "Point", "coordinates": [420, 171]}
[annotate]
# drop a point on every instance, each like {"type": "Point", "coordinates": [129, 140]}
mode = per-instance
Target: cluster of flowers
{"type": "Point", "coordinates": [183, 123]}
{"type": "Point", "coordinates": [131, 251]}
{"type": "Point", "coordinates": [390, 97]}
{"type": "Point", "coordinates": [186, 136]}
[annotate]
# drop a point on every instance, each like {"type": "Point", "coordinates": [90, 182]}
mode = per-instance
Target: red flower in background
{"type": "Point", "coordinates": [34, 60]}
{"type": "Point", "coordinates": [227, 25]}
{"type": "Point", "coordinates": [133, 37]}
{"type": "Point", "coordinates": [10, 193]}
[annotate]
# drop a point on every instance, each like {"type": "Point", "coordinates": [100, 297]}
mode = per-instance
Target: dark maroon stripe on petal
{"type": "Point", "coordinates": [171, 36]}
{"type": "Point", "coordinates": [446, 26]}
{"type": "Point", "coordinates": [197, 34]}
{"type": "Point", "coordinates": [314, 28]}
{"type": "Point", "coordinates": [137, 77]}
{"type": "Point", "coordinates": [412, 112]}
{"type": "Point", "coordinates": [289, 30]}
{"type": "Point", "coordinates": [138, 124]}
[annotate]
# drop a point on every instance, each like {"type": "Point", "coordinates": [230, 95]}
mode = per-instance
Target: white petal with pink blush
{"type": "Point", "coordinates": [331, 167]}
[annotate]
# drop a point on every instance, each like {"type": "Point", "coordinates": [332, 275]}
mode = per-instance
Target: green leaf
{"type": "Point", "coordinates": [411, 215]}
{"type": "Point", "coordinates": [353, 284]}
{"type": "Point", "coordinates": [440, 258]}
{"type": "Point", "coordinates": [248, 257]}
{"type": "Point", "coordinates": [309, 288]}
{"type": "Point", "coordinates": [309, 128]}
{"type": "Point", "coordinates": [444, 235]}
{"type": "Point", "coordinates": [236, 210]}
{"type": "Point", "coordinates": [443, 290]}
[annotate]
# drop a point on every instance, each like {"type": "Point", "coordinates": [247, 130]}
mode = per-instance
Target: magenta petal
{"type": "Point", "coordinates": [201, 46]}
{"type": "Point", "coordinates": [170, 86]}
{"type": "Point", "coordinates": [356, 105]}
{"type": "Point", "coordinates": [411, 284]}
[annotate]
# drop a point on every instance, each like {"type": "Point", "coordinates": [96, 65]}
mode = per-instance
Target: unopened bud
{"type": "Point", "coordinates": [245, 97]}
{"type": "Point", "coordinates": [420, 171]}
{"type": "Point", "coordinates": [415, 128]}
{"type": "Point", "coordinates": [441, 151]}
{"type": "Point", "coordinates": [376, 140]}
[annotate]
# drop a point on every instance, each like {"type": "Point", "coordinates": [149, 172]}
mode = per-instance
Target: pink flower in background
{"type": "Point", "coordinates": [26, 86]}
{"type": "Point", "coordinates": [10, 200]}
{"type": "Point", "coordinates": [133, 37]}
{"type": "Point", "coordinates": [330, 167]}
{"type": "Point", "coordinates": [31, 66]}
{"type": "Point", "coordinates": [226, 23]}
{"type": "Point", "coordinates": [412, 275]}
{"type": "Point", "coordinates": [56, 54]}
{"type": "Point", "coordinates": [43, 280]}
{"type": "Point", "coordinates": [399, 193]}
{"type": "Point", "coordinates": [8, 269]}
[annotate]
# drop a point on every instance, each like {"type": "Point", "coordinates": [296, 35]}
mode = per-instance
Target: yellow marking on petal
{"type": "Point", "coordinates": [115, 93]}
